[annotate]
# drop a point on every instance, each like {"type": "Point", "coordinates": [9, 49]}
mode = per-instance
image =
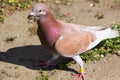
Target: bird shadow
{"type": "Point", "coordinates": [30, 55]}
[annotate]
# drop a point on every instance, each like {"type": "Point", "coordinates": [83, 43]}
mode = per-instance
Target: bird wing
{"type": "Point", "coordinates": [87, 28]}
{"type": "Point", "coordinates": [95, 28]}
{"type": "Point", "coordinates": [73, 40]}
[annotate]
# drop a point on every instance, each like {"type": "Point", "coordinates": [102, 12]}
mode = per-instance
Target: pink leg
{"type": "Point", "coordinates": [46, 64]}
{"type": "Point", "coordinates": [78, 60]}
{"type": "Point", "coordinates": [49, 63]}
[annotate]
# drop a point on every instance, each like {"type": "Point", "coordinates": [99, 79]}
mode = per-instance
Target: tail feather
{"type": "Point", "coordinates": [107, 33]}
{"type": "Point", "coordinates": [96, 28]}
{"type": "Point", "coordinates": [113, 34]}
{"type": "Point", "coordinates": [102, 35]}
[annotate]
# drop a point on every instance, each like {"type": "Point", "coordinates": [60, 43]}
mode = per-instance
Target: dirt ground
{"type": "Point", "coordinates": [17, 59]}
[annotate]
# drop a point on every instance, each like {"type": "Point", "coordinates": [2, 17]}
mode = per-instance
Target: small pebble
{"type": "Point", "coordinates": [95, 62]}
{"type": "Point", "coordinates": [118, 53]}
{"type": "Point", "coordinates": [92, 5]}
{"type": "Point", "coordinates": [110, 59]}
{"type": "Point", "coordinates": [16, 67]}
{"type": "Point", "coordinates": [102, 55]}
{"type": "Point", "coordinates": [18, 36]}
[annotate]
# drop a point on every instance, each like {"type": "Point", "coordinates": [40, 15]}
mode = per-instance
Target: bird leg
{"type": "Point", "coordinates": [80, 75]}
{"type": "Point", "coordinates": [49, 63]}
{"type": "Point", "coordinates": [80, 62]}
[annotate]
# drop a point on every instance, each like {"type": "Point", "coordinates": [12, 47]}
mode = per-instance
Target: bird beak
{"type": "Point", "coordinates": [31, 17]}
{"type": "Point", "coordinates": [32, 14]}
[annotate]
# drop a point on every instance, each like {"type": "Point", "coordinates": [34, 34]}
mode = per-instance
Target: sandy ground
{"type": "Point", "coordinates": [17, 59]}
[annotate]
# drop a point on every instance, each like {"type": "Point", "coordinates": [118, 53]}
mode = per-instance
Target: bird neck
{"type": "Point", "coordinates": [50, 28]}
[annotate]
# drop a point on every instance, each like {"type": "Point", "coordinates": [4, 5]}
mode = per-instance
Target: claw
{"type": "Point", "coordinates": [80, 75]}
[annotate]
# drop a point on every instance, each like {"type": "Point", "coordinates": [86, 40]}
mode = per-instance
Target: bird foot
{"type": "Point", "coordinates": [80, 75]}
{"type": "Point", "coordinates": [46, 64]}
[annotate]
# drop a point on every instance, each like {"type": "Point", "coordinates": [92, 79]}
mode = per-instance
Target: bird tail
{"type": "Point", "coordinates": [108, 33]}
{"type": "Point", "coordinates": [102, 35]}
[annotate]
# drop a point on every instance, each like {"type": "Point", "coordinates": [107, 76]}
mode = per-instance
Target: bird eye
{"type": "Point", "coordinates": [40, 10]}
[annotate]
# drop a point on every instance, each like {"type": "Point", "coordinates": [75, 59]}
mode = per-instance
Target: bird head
{"type": "Point", "coordinates": [38, 10]}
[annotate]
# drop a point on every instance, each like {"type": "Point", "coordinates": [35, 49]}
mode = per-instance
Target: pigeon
{"type": "Point", "coordinates": [67, 39]}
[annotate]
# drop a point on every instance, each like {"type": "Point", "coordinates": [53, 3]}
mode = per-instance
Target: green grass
{"type": "Point", "coordinates": [10, 39]}
{"type": "Point", "coordinates": [66, 2]}
{"type": "Point", "coordinates": [99, 15]}
{"type": "Point", "coordinates": [42, 76]}
{"type": "Point", "coordinates": [96, 1]}
{"type": "Point", "coordinates": [2, 11]}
